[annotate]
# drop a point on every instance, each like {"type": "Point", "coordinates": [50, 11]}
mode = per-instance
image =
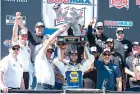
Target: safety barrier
{"type": "Point", "coordinates": [71, 91]}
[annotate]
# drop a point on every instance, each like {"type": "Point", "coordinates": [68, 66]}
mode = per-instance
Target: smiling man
{"type": "Point", "coordinates": [106, 70]}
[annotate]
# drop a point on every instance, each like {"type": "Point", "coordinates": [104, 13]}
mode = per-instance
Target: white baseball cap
{"type": "Point", "coordinates": [106, 50]}
{"type": "Point", "coordinates": [23, 31]}
{"type": "Point", "coordinates": [93, 49]}
{"type": "Point", "coordinates": [99, 24]}
{"type": "Point", "coordinates": [109, 40]}
{"type": "Point", "coordinates": [39, 24]}
{"type": "Point", "coordinates": [135, 43]}
{"type": "Point", "coordinates": [119, 29]}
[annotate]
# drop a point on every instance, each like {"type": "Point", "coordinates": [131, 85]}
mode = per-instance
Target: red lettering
{"type": "Point", "coordinates": [50, 1]}
{"type": "Point", "coordinates": [105, 22]}
{"type": "Point", "coordinates": [119, 3]}
{"type": "Point", "coordinates": [58, 1]}
{"type": "Point", "coordinates": [137, 2]}
{"type": "Point", "coordinates": [66, 1]}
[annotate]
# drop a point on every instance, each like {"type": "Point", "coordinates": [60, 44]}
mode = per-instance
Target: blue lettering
{"type": "Point", "coordinates": [73, 1]}
{"type": "Point", "coordinates": [80, 1]}
{"type": "Point", "coordinates": [125, 24]}
{"type": "Point", "coordinates": [87, 2]}
{"type": "Point", "coordinates": [120, 23]}
{"type": "Point", "coordinates": [74, 75]}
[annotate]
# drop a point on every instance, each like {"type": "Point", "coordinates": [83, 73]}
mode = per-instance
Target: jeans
{"type": "Point", "coordinates": [43, 86]}
{"type": "Point", "coordinates": [136, 89]}
{"type": "Point", "coordinates": [58, 86]}
{"type": "Point", "coordinates": [32, 78]}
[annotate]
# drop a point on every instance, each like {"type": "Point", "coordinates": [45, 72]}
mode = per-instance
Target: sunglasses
{"type": "Point", "coordinates": [15, 49]}
{"type": "Point", "coordinates": [50, 51]}
{"type": "Point", "coordinates": [120, 32]}
{"type": "Point", "coordinates": [107, 54]}
{"type": "Point", "coordinates": [99, 28]}
{"type": "Point", "coordinates": [109, 42]}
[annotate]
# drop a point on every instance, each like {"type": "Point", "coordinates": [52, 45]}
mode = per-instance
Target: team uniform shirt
{"type": "Point", "coordinates": [44, 69]}
{"type": "Point", "coordinates": [74, 66]}
{"type": "Point", "coordinates": [13, 71]}
{"type": "Point", "coordinates": [109, 72]}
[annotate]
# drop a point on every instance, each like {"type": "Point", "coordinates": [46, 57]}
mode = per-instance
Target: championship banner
{"type": "Point", "coordinates": [74, 79]}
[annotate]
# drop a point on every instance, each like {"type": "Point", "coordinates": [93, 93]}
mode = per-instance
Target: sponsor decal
{"type": "Point", "coordinates": [74, 77]}
{"type": "Point", "coordinates": [22, 1]}
{"type": "Point", "coordinates": [115, 24]}
{"type": "Point", "coordinates": [138, 3]}
{"type": "Point", "coordinates": [119, 4]}
{"type": "Point", "coordinates": [83, 2]}
{"type": "Point", "coordinates": [10, 19]}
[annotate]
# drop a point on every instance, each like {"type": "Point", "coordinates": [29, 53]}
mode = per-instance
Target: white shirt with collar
{"type": "Point", "coordinates": [13, 71]}
{"type": "Point", "coordinates": [24, 56]}
{"type": "Point", "coordinates": [44, 69]}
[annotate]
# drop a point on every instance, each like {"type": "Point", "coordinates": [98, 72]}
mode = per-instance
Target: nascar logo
{"type": "Point", "coordinates": [85, 2]}
{"type": "Point", "coordinates": [119, 4]}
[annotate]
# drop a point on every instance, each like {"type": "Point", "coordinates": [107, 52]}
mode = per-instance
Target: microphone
{"type": "Point", "coordinates": [104, 85]}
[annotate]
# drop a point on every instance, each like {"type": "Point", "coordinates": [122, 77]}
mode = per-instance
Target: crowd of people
{"type": "Point", "coordinates": [36, 61]}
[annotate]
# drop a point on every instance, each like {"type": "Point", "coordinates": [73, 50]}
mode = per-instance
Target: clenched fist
{"type": "Point", "coordinates": [18, 13]}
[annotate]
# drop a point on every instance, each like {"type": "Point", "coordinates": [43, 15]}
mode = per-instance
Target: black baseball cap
{"type": "Point", "coordinates": [73, 52]}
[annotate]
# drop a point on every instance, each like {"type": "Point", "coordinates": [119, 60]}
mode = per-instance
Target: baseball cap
{"type": "Point", "coordinates": [99, 24]}
{"type": "Point", "coordinates": [106, 50]}
{"type": "Point", "coordinates": [23, 31]}
{"type": "Point", "coordinates": [93, 49]}
{"type": "Point", "coordinates": [39, 24]}
{"type": "Point", "coordinates": [135, 43]}
{"type": "Point", "coordinates": [109, 40]}
{"type": "Point", "coordinates": [8, 44]}
{"type": "Point", "coordinates": [50, 48]}
{"type": "Point", "coordinates": [73, 52]}
{"type": "Point", "coordinates": [119, 29]}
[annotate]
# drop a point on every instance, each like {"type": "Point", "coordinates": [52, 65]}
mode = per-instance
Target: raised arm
{"type": "Point", "coordinates": [90, 36]}
{"type": "Point", "coordinates": [20, 23]}
{"type": "Point", "coordinates": [88, 61]}
{"type": "Point", "coordinates": [15, 28]}
{"type": "Point", "coordinates": [53, 36]}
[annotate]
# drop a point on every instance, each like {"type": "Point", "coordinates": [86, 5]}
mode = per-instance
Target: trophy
{"type": "Point", "coordinates": [76, 40]}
